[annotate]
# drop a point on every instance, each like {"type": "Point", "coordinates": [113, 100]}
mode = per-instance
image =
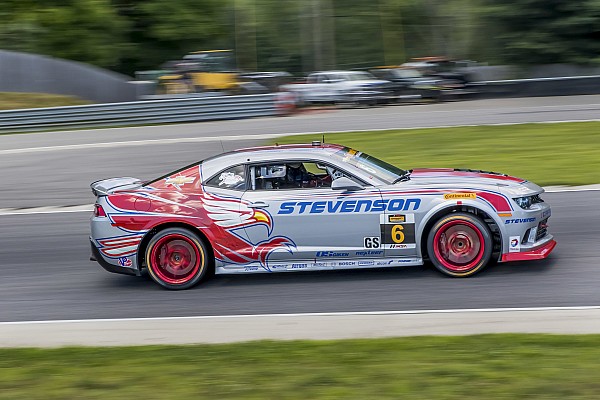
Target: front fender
{"type": "Point", "coordinates": [445, 207]}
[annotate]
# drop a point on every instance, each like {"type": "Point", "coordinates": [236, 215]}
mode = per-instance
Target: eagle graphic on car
{"type": "Point", "coordinates": [233, 214]}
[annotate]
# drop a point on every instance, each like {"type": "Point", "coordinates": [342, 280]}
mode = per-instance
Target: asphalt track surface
{"type": "Point", "coordinates": [46, 274]}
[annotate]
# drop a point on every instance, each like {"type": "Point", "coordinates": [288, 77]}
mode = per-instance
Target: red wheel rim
{"type": "Point", "coordinates": [459, 245]}
{"type": "Point", "coordinates": [175, 259]}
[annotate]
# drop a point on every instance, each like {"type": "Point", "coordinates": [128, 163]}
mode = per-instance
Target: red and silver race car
{"type": "Point", "coordinates": [313, 207]}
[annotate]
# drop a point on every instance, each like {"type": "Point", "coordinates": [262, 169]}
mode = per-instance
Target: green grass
{"type": "Point", "coordinates": [472, 367]}
{"type": "Point", "coordinates": [12, 101]}
{"type": "Point", "coordinates": [547, 154]}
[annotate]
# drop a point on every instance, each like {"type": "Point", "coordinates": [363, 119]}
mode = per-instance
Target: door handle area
{"type": "Point", "coordinates": [258, 204]}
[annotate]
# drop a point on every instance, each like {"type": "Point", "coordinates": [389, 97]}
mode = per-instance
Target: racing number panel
{"type": "Point", "coordinates": [398, 231]}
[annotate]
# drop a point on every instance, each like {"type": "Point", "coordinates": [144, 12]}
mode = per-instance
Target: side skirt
{"type": "Point", "coordinates": [312, 265]}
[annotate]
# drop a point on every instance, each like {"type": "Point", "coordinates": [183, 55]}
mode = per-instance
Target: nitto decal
{"type": "Point", "coordinates": [460, 196]}
{"type": "Point", "coordinates": [372, 242]}
{"type": "Point", "coordinates": [331, 254]}
{"type": "Point", "coordinates": [519, 221]}
{"type": "Point", "coordinates": [348, 206]}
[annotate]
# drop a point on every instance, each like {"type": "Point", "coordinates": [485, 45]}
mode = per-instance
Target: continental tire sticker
{"type": "Point", "coordinates": [460, 196]}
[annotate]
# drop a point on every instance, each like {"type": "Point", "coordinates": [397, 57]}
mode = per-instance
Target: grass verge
{"type": "Point", "coordinates": [547, 154]}
{"type": "Point", "coordinates": [508, 366]}
{"type": "Point", "coordinates": [13, 101]}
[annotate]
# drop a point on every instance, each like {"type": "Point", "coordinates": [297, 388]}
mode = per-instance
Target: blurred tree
{"type": "Point", "coordinates": [162, 30]}
{"type": "Point", "coordinates": [83, 30]}
{"type": "Point", "coordinates": [543, 31]}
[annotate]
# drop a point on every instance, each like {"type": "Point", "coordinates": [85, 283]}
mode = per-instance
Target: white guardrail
{"type": "Point", "coordinates": [138, 113]}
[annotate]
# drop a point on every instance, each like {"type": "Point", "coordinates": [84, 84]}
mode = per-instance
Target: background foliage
{"type": "Point", "coordinates": [301, 36]}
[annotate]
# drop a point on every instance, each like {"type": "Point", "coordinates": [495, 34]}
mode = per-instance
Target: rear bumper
{"type": "Point", "coordinates": [534, 254]}
{"type": "Point", "coordinates": [96, 256]}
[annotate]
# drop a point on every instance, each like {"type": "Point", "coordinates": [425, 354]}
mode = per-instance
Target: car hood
{"type": "Point", "coordinates": [473, 179]}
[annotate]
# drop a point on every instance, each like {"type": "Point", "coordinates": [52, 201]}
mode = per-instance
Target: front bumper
{"type": "Point", "coordinates": [537, 253]}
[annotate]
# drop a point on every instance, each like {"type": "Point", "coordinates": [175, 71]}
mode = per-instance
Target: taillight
{"type": "Point", "coordinates": [99, 211]}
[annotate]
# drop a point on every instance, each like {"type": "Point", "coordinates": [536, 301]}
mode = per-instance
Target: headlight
{"type": "Point", "coordinates": [527, 201]}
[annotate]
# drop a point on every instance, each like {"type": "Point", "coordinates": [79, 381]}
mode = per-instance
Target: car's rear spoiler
{"type": "Point", "coordinates": [107, 186]}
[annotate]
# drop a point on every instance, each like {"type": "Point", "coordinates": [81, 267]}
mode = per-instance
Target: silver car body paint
{"type": "Point", "coordinates": [337, 229]}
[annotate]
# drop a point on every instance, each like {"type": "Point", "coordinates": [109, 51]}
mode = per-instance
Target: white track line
{"type": "Point", "coordinates": [246, 137]}
{"type": "Point", "coordinates": [300, 315]}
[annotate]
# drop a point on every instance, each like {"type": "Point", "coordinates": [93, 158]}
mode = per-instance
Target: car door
{"type": "Point", "coordinates": [398, 224]}
{"type": "Point", "coordinates": [320, 227]}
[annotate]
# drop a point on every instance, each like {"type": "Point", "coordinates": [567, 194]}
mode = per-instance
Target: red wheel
{"type": "Point", "coordinates": [459, 245]}
{"type": "Point", "coordinates": [176, 258]}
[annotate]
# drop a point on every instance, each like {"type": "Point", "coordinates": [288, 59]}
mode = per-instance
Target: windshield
{"type": "Point", "coordinates": [374, 166]}
{"type": "Point", "coordinates": [359, 76]}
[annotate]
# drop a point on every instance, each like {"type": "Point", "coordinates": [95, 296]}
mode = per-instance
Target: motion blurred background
{"type": "Point", "coordinates": [303, 36]}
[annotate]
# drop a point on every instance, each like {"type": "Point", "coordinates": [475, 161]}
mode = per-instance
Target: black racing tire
{"type": "Point", "coordinates": [177, 259]}
{"type": "Point", "coordinates": [460, 245]}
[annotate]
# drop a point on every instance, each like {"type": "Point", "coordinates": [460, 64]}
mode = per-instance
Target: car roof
{"type": "Point", "coordinates": [218, 163]}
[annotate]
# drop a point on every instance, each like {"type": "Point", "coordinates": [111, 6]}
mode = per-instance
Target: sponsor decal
{"type": "Point", "coordinates": [331, 254]}
{"type": "Point", "coordinates": [347, 263]}
{"type": "Point", "coordinates": [320, 265]}
{"type": "Point", "coordinates": [251, 268]}
{"type": "Point", "coordinates": [125, 262]}
{"type": "Point", "coordinates": [397, 218]}
{"type": "Point", "coordinates": [298, 266]}
{"type": "Point", "coordinates": [277, 266]}
{"type": "Point", "coordinates": [532, 234]}
{"type": "Point", "coordinates": [180, 180]}
{"type": "Point", "coordinates": [519, 221]}
{"type": "Point", "coordinates": [386, 262]}
{"type": "Point", "coordinates": [372, 242]}
{"type": "Point", "coordinates": [546, 214]}
{"type": "Point", "coordinates": [401, 246]}
{"type": "Point", "coordinates": [460, 196]}
{"type": "Point", "coordinates": [366, 263]}
{"type": "Point", "coordinates": [514, 244]}
{"type": "Point", "coordinates": [364, 253]}
{"type": "Point", "coordinates": [348, 206]}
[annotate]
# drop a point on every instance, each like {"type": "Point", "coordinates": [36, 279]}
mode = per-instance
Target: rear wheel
{"type": "Point", "coordinates": [460, 245]}
{"type": "Point", "coordinates": [177, 259]}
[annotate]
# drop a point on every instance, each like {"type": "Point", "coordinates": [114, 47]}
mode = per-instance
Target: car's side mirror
{"type": "Point", "coordinates": [343, 183]}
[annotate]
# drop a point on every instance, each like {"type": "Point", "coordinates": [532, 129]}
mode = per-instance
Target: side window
{"type": "Point", "coordinates": [232, 178]}
{"type": "Point", "coordinates": [293, 175]}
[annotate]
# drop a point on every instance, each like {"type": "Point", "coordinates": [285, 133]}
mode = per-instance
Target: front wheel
{"type": "Point", "coordinates": [177, 259]}
{"type": "Point", "coordinates": [460, 245]}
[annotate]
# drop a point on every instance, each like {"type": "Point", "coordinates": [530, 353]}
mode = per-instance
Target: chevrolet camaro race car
{"type": "Point", "coordinates": [313, 207]}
